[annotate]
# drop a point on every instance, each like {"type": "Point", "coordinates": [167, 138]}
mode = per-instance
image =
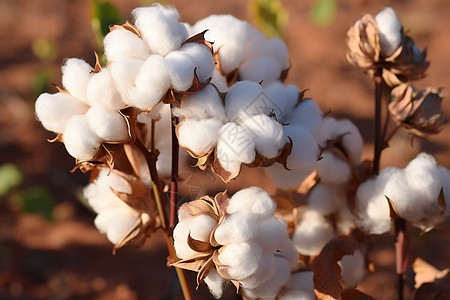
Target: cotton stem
{"type": "Point", "coordinates": [378, 137]}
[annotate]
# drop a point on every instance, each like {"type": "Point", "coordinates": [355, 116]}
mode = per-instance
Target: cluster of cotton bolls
{"type": "Point", "coordinates": [341, 153]}
{"type": "Point", "coordinates": [115, 218]}
{"type": "Point", "coordinates": [254, 248]}
{"type": "Point", "coordinates": [414, 191]}
{"type": "Point", "coordinates": [86, 113]}
{"type": "Point", "coordinates": [149, 59]}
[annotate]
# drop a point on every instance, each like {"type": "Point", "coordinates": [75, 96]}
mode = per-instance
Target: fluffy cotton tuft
{"type": "Point", "coordinates": [55, 110]}
{"type": "Point", "coordinates": [332, 169]}
{"type": "Point", "coordinates": [109, 125]}
{"type": "Point", "coordinates": [202, 58]}
{"type": "Point", "coordinates": [325, 198]}
{"type": "Point", "coordinates": [266, 69]}
{"type": "Point", "coordinates": [124, 44]}
{"type": "Point", "coordinates": [201, 227]}
{"type": "Point", "coordinates": [272, 234]}
{"type": "Point", "coordinates": [80, 140]}
{"type": "Point", "coordinates": [309, 115]}
{"type": "Point", "coordinates": [391, 30]}
{"type": "Point", "coordinates": [353, 269]}
{"type": "Point", "coordinates": [215, 283]}
{"type": "Point", "coordinates": [283, 97]}
{"type": "Point", "coordinates": [198, 137]}
{"type": "Point", "coordinates": [237, 227]}
{"type": "Point", "coordinates": [181, 70]}
{"type": "Point", "coordinates": [124, 73]}
{"type": "Point", "coordinates": [241, 259]}
{"type": "Point", "coordinates": [101, 91]}
{"type": "Point", "coordinates": [300, 286]}
{"type": "Point", "coordinates": [246, 99]}
{"type": "Point", "coordinates": [116, 223]}
{"type": "Point", "coordinates": [253, 199]}
{"type": "Point", "coordinates": [75, 77]}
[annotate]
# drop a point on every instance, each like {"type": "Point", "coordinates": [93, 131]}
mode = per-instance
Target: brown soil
{"type": "Point", "coordinates": [67, 258]}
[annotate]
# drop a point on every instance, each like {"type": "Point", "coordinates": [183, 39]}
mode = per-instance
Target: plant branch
{"type": "Point", "coordinates": [378, 138]}
{"type": "Point", "coordinates": [400, 250]}
{"type": "Point", "coordinates": [174, 177]}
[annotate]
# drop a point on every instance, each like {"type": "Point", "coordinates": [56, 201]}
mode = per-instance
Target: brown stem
{"type": "Point", "coordinates": [378, 138]}
{"type": "Point", "coordinates": [400, 250]}
{"type": "Point", "coordinates": [174, 177]}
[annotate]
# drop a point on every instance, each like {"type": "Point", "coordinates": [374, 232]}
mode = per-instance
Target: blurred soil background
{"type": "Point", "coordinates": [49, 246]}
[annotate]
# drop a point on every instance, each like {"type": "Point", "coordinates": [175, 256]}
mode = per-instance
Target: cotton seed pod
{"type": "Point", "coordinates": [160, 28]}
{"type": "Point", "coordinates": [80, 140]}
{"type": "Point", "coordinates": [391, 31]}
{"type": "Point", "coordinates": [55, 110]}
{"type": "Point", "coordinates": [198, 137]}
{"type": "Point", "coordinates": [75, 77]}
{"type": "Point", "coordinates": [124, 44]}
{"type": "Point", "coordinates": [101, 91]}
{"type": "Point", "coordinates": [108, 125]}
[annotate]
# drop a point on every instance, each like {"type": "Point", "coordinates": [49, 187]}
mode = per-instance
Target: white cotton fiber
{"type": "Point", "coordinates": [201, 227]}
{"type": "Point", "coordinates": [245, 99]}
{"type": "Point", "coordinates": [332, 169]}
{"type": "Point", "coordinates": [390, 31]}
{"type": "Point", "coordinates": [116, 223]}
{"type": "Point", "coordinates": [180, 236]}
{"type": "Point", "coordinates": [290, 253]}
{"type": "Point", "coordinates": [271, 234]}
{"type": "Point", "coordinates": [152, 82]}
{"type": "Point", "coordinates": [124, 73]}
{"type": "Point", "coordinates": [325, 198]}
{"type": "Point", "coordinates": [312, 233]}
{"type": "Point", "coordinates": [265, 270]}
{"type": "Point", "coordinates": [353, 269]}
{"type": "Point", "coordinates": [252, 199]}
{"type": "Point", "coordinates": [160, 28]}
{"type": "Point", "coordinates": [237, 227]}
{"type": "Point", "coordinates": [101, 91]}
{"type": "Point", "coordinates": [229, 34]}
{"type": "Point", "coordinates": [206, 104]}
{"type": "Point", "coordinates": [202, 58]}
{"type": "Point", "coordinates": [284, 98]}
{"type": "Point", "coordinates": [181, 70]}
{"type": "Point", "coordinates": [309, 115]}
{"type": "Point", "coordinates": [234, 146]}
{"type": "Point", "coordinates": [241, 259]}
{"type": "Point", "coordinates": [124, 44]}
{"type": "Point", "coordinates": [266, 69]}
{"type": "Point", "coordinates": [300, 286]}
{"type": "Point", "coordinates": [215, 283]}
{"type": "Point", "coordinates": [219, 81]}
{"type": "Point", "coordinates": [109, 125]}
{"type": "Point", "coordinates": [199, 137]}
{"type": "Point", "coordinates": [75, 76]}
{"type": "Point", "coordinates": [267, 133]}
{"type": "Point", "coordinates": [55, 110]}
{"type": "Point", "coordinates": [278, 49]}
{"type": "Point", "coordinates": [80, 140]}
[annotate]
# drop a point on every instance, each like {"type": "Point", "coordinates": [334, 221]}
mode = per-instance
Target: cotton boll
{"type": "Point", "coordinates": [199, 137]}
{"type": "Point", "coordinates": [332, 169]}
{"type": "Point", "coordinates": [246, 99]}
{"type": "Point", "coordinates": [352, 140]}
{"type": "Point", "coordinates": [124, 44]}
{"type": "Point", "coordinates": [201, 227]}
{"type": "Point", "coordinates": [252, 199]}
{"type": "Point", "coordinates": [267, 133]}
{"type": "Point", "coordinates": [240, 260]}
{"type": "Point", "coordinates": [391, 30]}
{"type": "Point", "coordinates": [270, 288]}
{"type": "Point", "coordinates": [55, 110]}
{"type": "Point", "coordinates": [215, 283]}
{"type": "Point", "coordinates": [234, 146]}
{"type": "Point", "coordinates": [101, 91]}
{"type": "Point", "coordinates": [80, 140]}
{"type": "Point", "coordinates": [75, 77]}
{"type": "Point", "coordinates": [181, 70]}
{"type": "Point", "coordinates": [284, 98]}
{"type": "Point", "coordinates": [124, 73]}
{"type": "Point", "coordinates": [312, 233]}
{"type": "Point", "coordinates": [202, 58]}
{"type": "Point", "coordinates": [278, 49]}
{"type": "Point", "coordinates": [300, 286]}
{"type": "Point", "coordinates": [109, 125]}
{"type": "Point", "coordinates": [152, 82]}
{"type": "Point", "coordinates": [353, 269]}
{"type": "Point", "coordinates": [205, 104]}
{"type": "Point", "coordinates": [160, 28]}
{"type": "Point", "coordinates": [237, 227]}
{"type": "Point", "coordinates": [116, 223]}
{"type": "Point", "coordinates": [180, 237]}
{"type": "Point", "coordinates": [325, 198]}
{"type": "Point", "coordinates": [266, 269]}
{"type": "Point", "coordinates": [288, 252]}
{"type": "Point", "coordinates": [309, 115]}
{"type": "Point", "coordinates": [271, 234]}
{"type": "Point", "coordinates": [266, 69]}
{"type": "Point", "coordinates": [219, 81]}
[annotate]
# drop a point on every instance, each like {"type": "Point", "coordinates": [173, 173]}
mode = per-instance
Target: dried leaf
{"type": "Point", "coordinates": [199, 38]}
{"type": "Point", "coordinates": [393, 213]}
{"type": "Point", "coordinates": [58, 138]}
{"type": "Point", "coordinates": [98, 66]}
{"type": "Point", "coordinates": [426, 272]}
{"type": "Point", "coordinates": [196, 84]}
{"type": "Point", "coordinates": [194, 263]}
{"type": "Point", "coordinates": [441, 202]}
{"type": "Point", "coordinates": [204, 271]}
{"type": "Point", "coordinates": [327, 273]}
{"type": "Point", "coordinates": [199, 246]}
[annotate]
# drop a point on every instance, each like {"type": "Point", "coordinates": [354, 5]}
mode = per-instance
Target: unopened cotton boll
{"type": "Point", "coordinates": [353, 269]}
{"type": "Point", "coordinates": [332, 169]}
{"type": "Point", "coordinates": [124, 44]}
{"type": "Point", "coordinates": [160, 28]}
{"type": "Point", "coordinates": [215, 283]}
{"type": "Point", "coordinates": [312, 233]}
{"type": "Point", "coordinates": [267, 133]}
{"type": "Point", "coordinates": [266, 69]}
{"type": "Point", "coordinates": [55, 110]}
{"type": "Point", "coordinates": [116, 223]}
{"type": "Point", "coordinates": [237, 227]}
{"type": "Point", "coordinates": [252, 199]}
{"type": "Point", "coordinates": [300, 286]}
{"type": "Point", "coordinates": [205, 104]}
{"type": "Point", "coordinates": [234, 146]}
{"type": "Point", "coordinates": [181, 70]}
{"type": "Point", "coordinates": [79, 139]}
{"type": "Point", "coordinates": [75, 77]}
{"type": "Point", "coordinates": [109, 125]}
{"type": "Point", "coordinates": [271, 234]}
{"type": "Point", "coordinates": [199, 137]}
{"type": "Point", "coordinates": [391, 30]}
{"type": "Point", "coordinates": [101, 91]}
{"type": "Point", "coordinates": [325, 198]}
{"type": "Point", "coordinates": [246, 99]}
{"type": "Point", "coordinates": [240, 260]}
{"type": "Point", "coordinates": [202, 58]}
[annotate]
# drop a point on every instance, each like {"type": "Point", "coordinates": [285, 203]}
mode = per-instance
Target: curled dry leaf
{"type": "Point", "coordinates": [426, 273]}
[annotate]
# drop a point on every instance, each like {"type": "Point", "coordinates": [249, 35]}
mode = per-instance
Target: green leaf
{"type": "Point", "coordinates": [10, 177]}
{"type": "Point", "coordinates": [323, 12]}
{"type": "Point", "coordinates": [105, 13]}
{"type": "Point", "coordinates": [269, 16]}
{"type": "Point", "coordinates": [37, 200]}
